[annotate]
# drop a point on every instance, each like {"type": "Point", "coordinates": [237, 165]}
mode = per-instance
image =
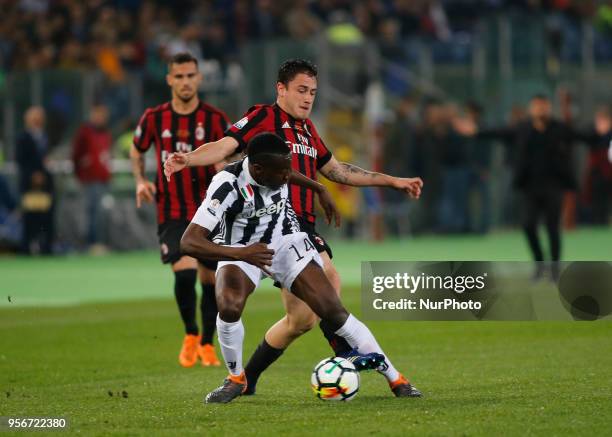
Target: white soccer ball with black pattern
{"type": "Point", "coordinates": [335, 379]}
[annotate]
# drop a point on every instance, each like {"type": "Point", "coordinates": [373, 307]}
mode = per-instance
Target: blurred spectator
{"type": "Point", "coordinates": [393, 57]}
{"type": "Point", "coordinates": [543, 172]}
{"type": "Point", "coordinates": [9, 224]}
{"type": "Point", "coordinates": [91, 157]}
{"type": "Point", "coordinates": [480, 152]}
{"type": "Point", "coordinates": [455, 177]}
{"type": "Point", "coordinates": [35, 184]}
{"type": "Point", "coordinates": [300, 22]}
{"type": "Point", "coordinates": [399, 150]}
{"type": "Point", "coordinates": [368, 16]}
{"type": "Point", "coordinates": [267, 21]}
{"type": "Point", "coordinates": [597, 194]}
{"type": "Point", "coordinates": [430, 134]}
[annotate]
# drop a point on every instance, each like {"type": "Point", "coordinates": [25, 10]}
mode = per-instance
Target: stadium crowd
{"type": "Point", "coordinates": [424, 136]}
{"type": "Point", "coordinates": [120, 35]}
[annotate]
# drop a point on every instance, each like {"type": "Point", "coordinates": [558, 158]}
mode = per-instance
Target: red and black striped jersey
{"type": "Point", "coordinates": [308, 149]}
{"type": "Point", "coordinates": [171, 132]}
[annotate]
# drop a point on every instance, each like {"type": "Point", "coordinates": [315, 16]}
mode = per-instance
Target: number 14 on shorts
{"type": "Point", "coordinates": [308, 246]}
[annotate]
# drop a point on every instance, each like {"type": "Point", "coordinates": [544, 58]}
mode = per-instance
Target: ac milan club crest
{"type": "Point", "coordinates": [199, 132]}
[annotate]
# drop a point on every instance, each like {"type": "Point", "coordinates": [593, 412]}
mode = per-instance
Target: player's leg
{"type": "Point", "coordinates": [337, 343]}
{"type": "Point", "coordinates": [208, 309]}
{"type": "Point", "coordinates": [185, 276]}
{"type": "Point", "coordinates": [298, 320]}
{"type": "Point", "coordinates": [184, 269]}
{"type": "Point", "coordinates": [235, 282]}
{"type": "Point", "coordinates": [531, 212]}
{"type": "Point", "coordinates": [552, 214]}
{"type": "Point", "coordinates": [311, 285]}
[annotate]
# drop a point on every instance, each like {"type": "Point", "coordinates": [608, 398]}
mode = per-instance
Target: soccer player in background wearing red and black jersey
{"type": "Point", "coordinates": [181, 125]}
{"type": "Point", "coordinates": [289, 118]}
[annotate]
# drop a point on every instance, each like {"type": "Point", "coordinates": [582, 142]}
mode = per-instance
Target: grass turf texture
{"type": "Point", "coordinates": [478, 378]}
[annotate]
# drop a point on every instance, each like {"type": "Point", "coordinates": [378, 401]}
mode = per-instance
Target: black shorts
{"type": "Point", "coordinates": [170, 234]}
{"type": "Point", "coordinates": [318, 241]}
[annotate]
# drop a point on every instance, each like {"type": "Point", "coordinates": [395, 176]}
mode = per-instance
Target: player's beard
{"type": "Point", "coordinates": [186, 99]}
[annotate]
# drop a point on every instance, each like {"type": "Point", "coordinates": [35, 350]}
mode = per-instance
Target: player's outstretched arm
{"type": "Point", "coordinates": [349, 174]}
{"type": "Point", "coordinates": [206, 154]}
{"type": "Point", "coordinates": [145, 189]}
{"type": "Point", "coordinates": [325, 199]}
{"type": "Point", "coordinates": [195, 243]}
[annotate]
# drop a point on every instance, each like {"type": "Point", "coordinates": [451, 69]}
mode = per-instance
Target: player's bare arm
{"type": "Point", "coordinates": [195, 243]}
{"type": "Point", "coordinates": [206, 154]}
{"type": "Point", "coordinates": [349, 174]}
{"type": "Point", "coordinates": [325, 199]}
{"type": "Point", "coordinates": [145, 189]}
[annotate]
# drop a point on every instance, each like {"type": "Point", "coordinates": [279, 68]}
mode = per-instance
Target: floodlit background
{"type": "Point", "coordinates": [394, 75]}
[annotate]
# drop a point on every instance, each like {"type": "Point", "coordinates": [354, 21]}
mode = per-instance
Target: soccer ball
{"type": "Point", "coordinates": [335, 379]}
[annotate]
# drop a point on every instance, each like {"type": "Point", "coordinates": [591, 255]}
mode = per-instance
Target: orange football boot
{"type": "Point", "coordinates": [208, 355]}
{"type": "Point", "coordinates": [189, 351]}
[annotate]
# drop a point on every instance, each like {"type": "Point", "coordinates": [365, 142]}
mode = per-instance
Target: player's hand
{"type": "Point", "coordinates": [329, 206]}
{"type": "Point", "coordinates": [259, 255]}
{"type": "Point", "coordinates": [410, 186]}
{"type": "Point", "coordinates": [175, 162]}
{"type": "Point", "coordinates": [145, 191]}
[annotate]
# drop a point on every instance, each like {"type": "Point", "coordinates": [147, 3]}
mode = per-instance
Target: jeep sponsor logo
{"type": "Point", "coordinates": [270, 209]}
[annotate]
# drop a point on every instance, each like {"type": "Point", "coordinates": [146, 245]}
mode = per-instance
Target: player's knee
{"type": "Point", "coordinates": [230, 314]}
{"type": "Point", "coordinates": [230, 308]}
{"type": "Point", "coordinates": [301, 325]}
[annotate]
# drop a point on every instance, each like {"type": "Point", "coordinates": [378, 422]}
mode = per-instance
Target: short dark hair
{"type": "Point", "coordinates": [181, 58]}
{"type": "Point", "coordinates": [540, 96]}
{"type": "Point", "coordinates": [292, 67]}
{"type": "Point", "coordinates": [265, 144]}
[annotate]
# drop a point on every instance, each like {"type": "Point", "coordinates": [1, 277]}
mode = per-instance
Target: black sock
{"type": "Point", "coordinates": [337, 343]}
{"type": "Point", "coordinates": [208, 307]}
{"type": "Point", "coordinates": [185, 294]}
{"type": "Point", "coordinates": [261, 359]}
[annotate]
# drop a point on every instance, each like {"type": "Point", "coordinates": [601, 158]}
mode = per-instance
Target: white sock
{"type": "Point", "coordinates": [231, 336]}
{"type": "Point", "coordinates": [359, 337]}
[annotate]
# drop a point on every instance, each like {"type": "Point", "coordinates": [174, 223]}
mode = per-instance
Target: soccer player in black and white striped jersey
{"type": "Point", "coordinates": [289, 119]}
{"type": "Point", "coordinates": [261, 236]}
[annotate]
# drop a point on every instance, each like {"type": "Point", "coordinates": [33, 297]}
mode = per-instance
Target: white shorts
{"type": "Point", "coordinates": [292, 253]}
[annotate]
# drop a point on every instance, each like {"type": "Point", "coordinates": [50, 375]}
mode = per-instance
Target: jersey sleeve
{"type": "Point", "coordinates": [142, 135]}
{"type": "Point", "coordinates": [220, 195]}
{"type": "Point", "coordinates": [323, 153]}
{"type": "Point", "coordinates": [253, 123]}
{"type": "Point", "coordinates": [221, 125]}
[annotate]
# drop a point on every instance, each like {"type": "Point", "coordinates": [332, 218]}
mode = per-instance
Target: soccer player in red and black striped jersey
{"type": "Point", "coordinates": [289, 118]}
{"type": "Point", "coordinates": [181, 125]}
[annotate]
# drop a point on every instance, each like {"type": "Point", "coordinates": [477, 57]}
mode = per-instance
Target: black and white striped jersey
{"type": "Point", "coordinates": [245, 211]}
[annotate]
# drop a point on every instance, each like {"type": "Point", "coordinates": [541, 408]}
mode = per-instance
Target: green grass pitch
{"type": "Point", "coordinates": [95, 340]}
